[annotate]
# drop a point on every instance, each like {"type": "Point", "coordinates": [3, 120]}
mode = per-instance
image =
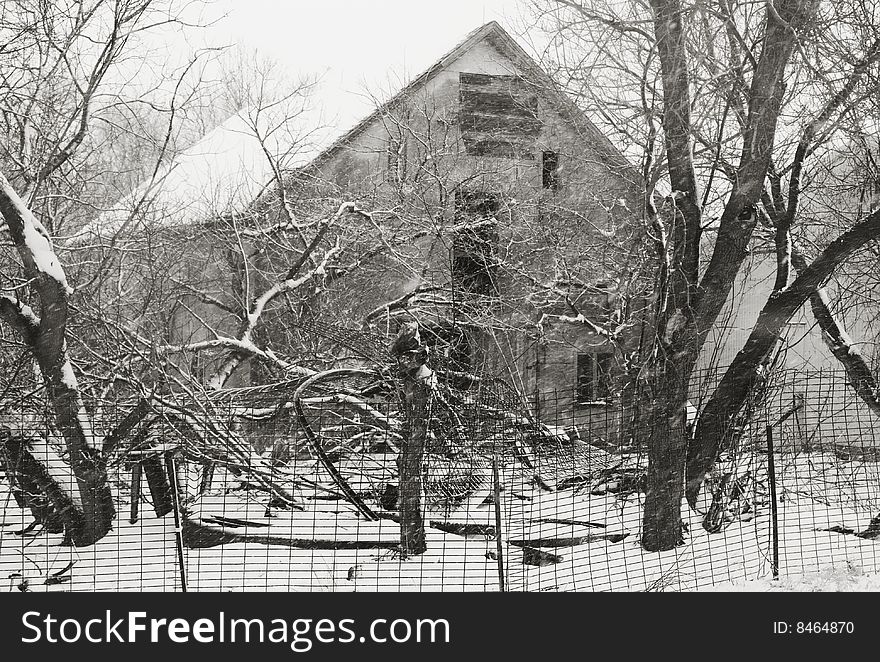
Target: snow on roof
{"type": "Point", "coordinates": [223, 172]}
{"type": "Point", "coordinates": [228, 169]}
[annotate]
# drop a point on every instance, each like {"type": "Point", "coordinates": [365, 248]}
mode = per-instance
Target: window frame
{"type": "Point", "coordinates": [550, 180]}
{"type": "Point", "coordinates": [598, 386]}
{"type": "Point", "coordinates": [476, 242]}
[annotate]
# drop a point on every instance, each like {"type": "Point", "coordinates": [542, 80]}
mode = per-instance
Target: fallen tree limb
{"type": "Point", "coordinates": [568, 542]}
{"type": "Point", "coordinates": [315, 443]}
{"type": "Point", "coordinates": [573, 522]}
{"type": "Point", "coordinates": [455, 528]}
{"type": "Point", "coordinates": [200, 536]}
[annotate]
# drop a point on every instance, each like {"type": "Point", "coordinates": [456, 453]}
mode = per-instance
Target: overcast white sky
{"type": "Point", "coordinates": [356, 45]}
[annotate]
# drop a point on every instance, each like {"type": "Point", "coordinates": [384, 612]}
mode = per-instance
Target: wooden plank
{"type": "Point", "coordinates": [128, 423]}
{"type": "Point", "coordinates": [507, 124]}
{"type": "Point", "coordinates": [498, 103]}
{"type": "Point", "coordinates": [511, 85]}
{"type": "Point", "coordinates": [498, 148]}
{"type": "Point", "coordinates": [135, 492]}
{"type": "Point", "coordinates": [160, 488]}
{"type": "Point", "coordinates": [482, 80]}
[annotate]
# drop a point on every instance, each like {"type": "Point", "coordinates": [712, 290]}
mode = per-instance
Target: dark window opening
{"type": "Point", "coordinates": [550, 171]}
{"type": "Point", "coordinates": [452, 343]}
{"type": "Point", "coordinates": [475, 205]}
{"type": "Point", "coordinates": [475, 244]}
{"type": "Point", "coordinates": [593, 377]}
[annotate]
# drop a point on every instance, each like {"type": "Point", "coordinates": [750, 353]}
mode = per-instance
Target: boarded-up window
{"type": "Point", "coordinates": [498, 116]}
{"type": "Point", "coordinates": [593, 377]}
{"type": "Point", "coordinates": [475, 244]}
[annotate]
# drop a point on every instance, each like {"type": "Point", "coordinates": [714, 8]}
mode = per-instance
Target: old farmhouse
{"type": "Point", "coordinates": [496, 214]}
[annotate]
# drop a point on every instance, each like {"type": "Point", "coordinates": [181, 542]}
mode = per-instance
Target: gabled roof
{"type": "Point", "coordinates": [222, 172]}
{"type": "Point", "coordinates": [226, 170]}
{"type": "Point", "coordinates": [501, 40]}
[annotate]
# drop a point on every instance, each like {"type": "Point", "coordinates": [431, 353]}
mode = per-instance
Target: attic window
{"type": "Point", "coordinates": [498, 116]}
{"type": "Point", "coordinates": [550, 170]}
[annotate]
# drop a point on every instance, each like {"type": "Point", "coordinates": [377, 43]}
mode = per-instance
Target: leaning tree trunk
{"type": "Point", "coordinates": [858, 372]}
{"type": "Point", "coordinates": [30, 483]}
{"type": "Point", "coordinates": [77, 488]}
{"type": "Point", "coordinates": [741, 377]}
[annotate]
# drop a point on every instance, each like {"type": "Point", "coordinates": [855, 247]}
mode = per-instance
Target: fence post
{"type": "Point", "coordinates": [135, 491]}
{"type": "Point", "coordinates": [498, 546]}
{"type": "Point", "coordinates": [771, 470]}
{"type": "Point", "coordinates": [171, 467]}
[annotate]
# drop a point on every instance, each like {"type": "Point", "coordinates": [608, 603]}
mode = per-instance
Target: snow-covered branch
{"type": "Point", "coordinates": [91, 514]}
{"type": "Point", "coordinates": [19, 316]}
{"type": "Point", "coordinates": [291, 281]}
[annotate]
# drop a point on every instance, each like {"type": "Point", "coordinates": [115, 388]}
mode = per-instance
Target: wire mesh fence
{"type": "Point", "coordinates": [295, 486]}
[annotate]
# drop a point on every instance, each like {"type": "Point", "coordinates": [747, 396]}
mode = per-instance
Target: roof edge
{"type": "Point", "coordinates": [511, 49]}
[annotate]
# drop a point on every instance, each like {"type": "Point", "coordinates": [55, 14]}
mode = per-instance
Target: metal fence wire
{"type": "Point", "coordinates": [294, 486]}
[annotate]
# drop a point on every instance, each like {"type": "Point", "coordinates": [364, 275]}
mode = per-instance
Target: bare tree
{"type": "Point", "coordinates": [87, 511]}
{"type": "Point", "coordinates": [64, 71]}
{"type": "Point", "coordinates": [727, 85]}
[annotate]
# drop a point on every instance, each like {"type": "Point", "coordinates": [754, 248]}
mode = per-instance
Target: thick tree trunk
{"type": "Point", "coordinates": [417, 397]}
{"type": "Point", "coordinates": [713, 427]}
{"type": "Point", "coordinates": [687, 311]}
{"type": "Point", "coordinates": [91, 511]}
{"type": "Point", "coordinates": [662, 527]}
{"type": "Point", "coordinates": [92, 489]}
{"type": "Point", "coordinates": [685, 322]}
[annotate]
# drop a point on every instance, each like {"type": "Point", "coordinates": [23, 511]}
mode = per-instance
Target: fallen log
{"type": "Point", "coordinates": [201, 536]}
{"type": "Point", "coordinates": [464, 529]}
{"type": "Point", "coordinates": [455, 528]}
{"type": "Point", "coordinates": [568, 542]}
{"type": "Point", "coordinates": [573, 522]}
{"type": "Point", "coordinates": [873, 530]}
{"type": "Point", "coordinates": [871, 533]}
{"type": "Point", "coordinates": [233, 522]}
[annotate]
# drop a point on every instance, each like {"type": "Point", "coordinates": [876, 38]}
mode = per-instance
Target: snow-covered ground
{"type": "Point", "coordinates": [596, 537]}
{"type": "Point", "coordinates": [850, 578]}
